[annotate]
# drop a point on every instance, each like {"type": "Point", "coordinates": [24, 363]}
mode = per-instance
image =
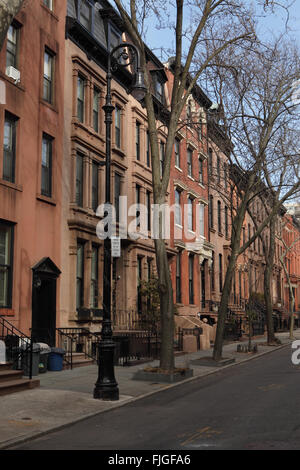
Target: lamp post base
{"type": "Point", "coordinates": [106, 387]}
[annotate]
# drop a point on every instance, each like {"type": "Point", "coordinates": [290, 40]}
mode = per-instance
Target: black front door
{"type": "Point", "coordinates": [44, 302]}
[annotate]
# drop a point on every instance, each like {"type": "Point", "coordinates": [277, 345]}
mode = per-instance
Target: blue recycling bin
{"type": "Point", "coordinates": [56, 359]}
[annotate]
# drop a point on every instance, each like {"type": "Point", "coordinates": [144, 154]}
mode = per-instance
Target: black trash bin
{"type": "Point", "coordinates": [25, 359]}
{"type": "Point", "coordinates": [56, 359]}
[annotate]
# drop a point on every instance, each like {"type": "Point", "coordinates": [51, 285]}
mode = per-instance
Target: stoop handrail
{"type": "Point", "coordinates": [17, 344]}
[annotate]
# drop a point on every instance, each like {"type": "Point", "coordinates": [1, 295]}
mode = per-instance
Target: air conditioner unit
{"type": "Point", "coordinates": [13, 73]}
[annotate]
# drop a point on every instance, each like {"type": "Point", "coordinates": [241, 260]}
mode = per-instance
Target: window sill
{"type": "Point", "coordinates": [49, 105]}
{"type": "Point", "coordinates": [50, 11]}
{"type": "Point", "coordinates": [213, 230]}
{"type": "Point", "coordinates": [47, 199]}
{"type": "Point", "coordinates": [191, 178]}
{"type": "Point", "coordinates": [178, 168]}
{"type": "Point", "coordinates": [12, 81]}
{"type": "Point", "coordinates": [8, 184]}
{"type": "Point", "coordinates": [118, 151]}
{"type": "Point", "coordinates": [7, 311]}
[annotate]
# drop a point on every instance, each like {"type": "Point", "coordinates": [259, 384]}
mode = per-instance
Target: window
{"type": "Point", "coordinates": [220, 273]}
{"type": "Point", "coordinates": [138, 140]}
{"type": "Point", "coordinates": [148, 150]}
{"type": "Point", "coordinates": [80, 275]}
{"type": "Point", "coordinates": [219, 217]}
{"type": "Point", "coordinates": [6, 264]}
{"type": "Point", "coordinates": [189, 111]}
{"type": "Point", "coordinates": [178, 278]}
{"type": "Point", "coordinates": [138, 202]}
{"type": "Point", "coordinates": [178, 207]}
{"type": "Point", "coordinates": [201, 179]}
{"type": "Point", "coordinates": [226, 221]}
{"type": "Point", "coordinates": [95, 185]}
{"type": "Point", "coordinates": [80, 98]}
{"type": "Point", "coordinates": [118, 126]}
{"type": "Point", "coordinates": [9, 148]}
{"type": "Point", "coordinates": [12, 47]}
{"type": "Point", "coordinates": [210, 162]}
{"type": "Point", "coordinates": [117, 195]}
{"type": "Point", "coordinates": [94, 277]}
{"type": "Point", "coordinates": [48, 87]}
{"type": "Point", "coordinates": [190, 162]}
{"type": "Point", "coordinates": [114, 37]}
{"type": "Point", "coordinates": [139, 280]}
{"type": "Point", "coordinates": [46, 181]}
{"type": "Point", "coordinates": [159, 90]}
{"type": "Point", "coordinates": [199, 128]}
{"type": "Point", "coordinates": [201, 219]}
{"type": "Point", "coordinates": [190, 213]}
{"type": "Point", "coordinates": [96, 98]}
{"type": "Point", "coordinates": [191, 279]}
{"type": "Point", "coordinates": [85, 16]}
{"type": "Point", "coordinates": [211, 212]}
{"type": "Point", "coordinates": [149, 214]}
{"type": "Point", "coordinates": [177, 152]}
{"type": "Point", "coordinates": [48, 4]}
{"type": "Point", "coordinates": [225, 176]}
{"type": "Point", "coordinates": [218, 169]}
{"type": "Point", "coordinates": [79, 180]}
{"type": "Point", "coordinates": [212, 273]}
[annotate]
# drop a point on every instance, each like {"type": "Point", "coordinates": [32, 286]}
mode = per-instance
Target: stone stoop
{"type": "Point", "coordinates": [79, 360]}
{"type": "Point", "coordinates": [11, 381]}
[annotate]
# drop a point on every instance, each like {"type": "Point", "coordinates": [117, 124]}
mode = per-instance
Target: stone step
{"type": "Point", "coordinates": [13, 386]}
{"type": "Point", "coordinates": [7, 375]}
{"type": "Point", "coordinates": [79, 362]}
{"type": "Point", "coordinates": [6, 366]}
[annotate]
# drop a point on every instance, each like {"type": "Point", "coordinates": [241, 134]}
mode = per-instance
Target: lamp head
{"type": "Point", "coordinates": [139, 90]}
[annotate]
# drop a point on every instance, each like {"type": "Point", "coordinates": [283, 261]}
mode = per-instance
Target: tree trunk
{"type": "Point", "coordinates": [218, 346]}
{"type": "Point", "coordinates": [292, 320]}
{"type": "Point", "coordinates": [166, 307]}
{"type": "Point", "coordinates": [267, 283]}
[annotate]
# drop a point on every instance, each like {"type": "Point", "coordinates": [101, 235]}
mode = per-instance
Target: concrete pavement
{"type": "Point", "coordinates": [67, 397]}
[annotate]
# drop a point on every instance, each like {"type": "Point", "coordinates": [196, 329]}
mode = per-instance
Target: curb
{"type": "Point", "coordinates": [9, 444]}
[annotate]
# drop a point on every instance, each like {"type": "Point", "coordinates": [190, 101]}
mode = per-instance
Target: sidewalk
{"type": "Point", "coordinates": [67, 397]}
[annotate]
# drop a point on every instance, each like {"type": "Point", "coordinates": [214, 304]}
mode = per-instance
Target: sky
{"type": "Point", "coordinates": [269, 24]}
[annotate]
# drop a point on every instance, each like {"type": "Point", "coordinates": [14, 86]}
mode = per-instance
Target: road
{"type": "Point", "coordinates": [251, 406]}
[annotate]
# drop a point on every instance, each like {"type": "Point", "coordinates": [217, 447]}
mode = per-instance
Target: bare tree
{"type": "Point", "coordinates": [233, 22]}
{"type": "Point", "coordinates": [255, 92]}
{"type": "Point", "coordinates": [8, 10]}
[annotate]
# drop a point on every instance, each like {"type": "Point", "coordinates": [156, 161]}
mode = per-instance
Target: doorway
{"type": "Point", "coordinates": [44, 279]}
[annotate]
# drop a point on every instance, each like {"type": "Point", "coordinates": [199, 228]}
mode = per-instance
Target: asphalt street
{"type": "Point", "coordinates": [255, 405]}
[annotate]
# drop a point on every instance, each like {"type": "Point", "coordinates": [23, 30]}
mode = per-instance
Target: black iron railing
{"type": "Point", "coordinates": [233, 326]}
{"type": "Point", "coordinates": [77, 340]}
{"type": "Point", "coordinates": [136, 346]}
{"type": "Point", "coordinates": [18, 346]}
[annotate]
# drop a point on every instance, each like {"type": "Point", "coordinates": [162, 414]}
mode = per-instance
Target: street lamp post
{"type": "Point", "coordinates": [106, 387]}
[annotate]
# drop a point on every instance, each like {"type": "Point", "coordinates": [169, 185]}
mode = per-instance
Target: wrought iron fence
{"type": "Point", "coordinates": [233, 326]}
{"type": "Point", "coordinates": [136, 346]}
